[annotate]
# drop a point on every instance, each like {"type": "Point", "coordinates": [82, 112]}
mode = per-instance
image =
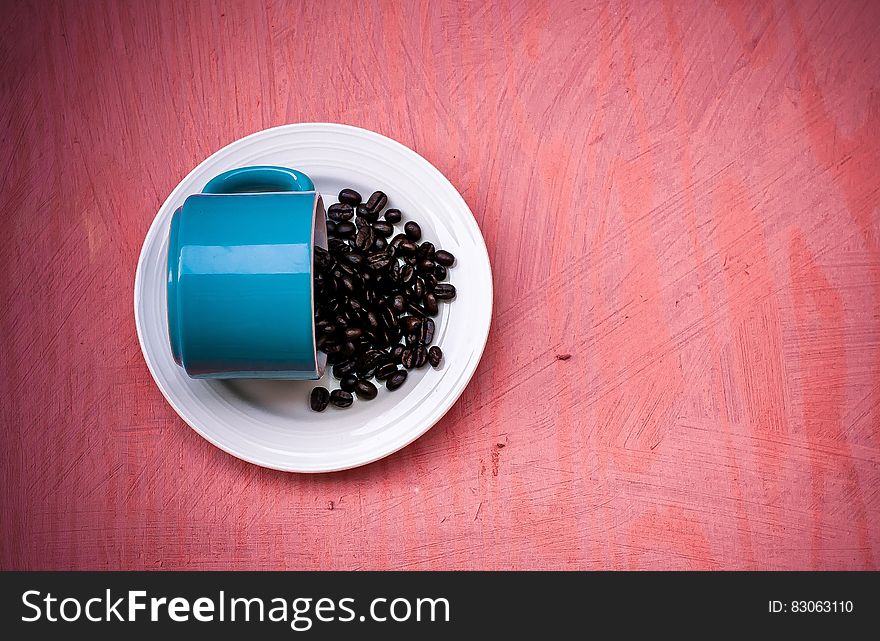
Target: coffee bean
{"type": "Point", "coordinates": [430, 304]}
{"type": "Point", "coordinates": [411, 260]}
{"type": "Point", "coordinates": [427, 331]}
{"type": "Point", "coordinates": [417, 288]}
{"type": "Point", "coordinates": [356, 261]}
{"type": "Point", "coordinates": [383, 229]}
{"type": "Point", "coordinates": [410, 324]}
{"type": "Point", "coordinates": [339, 212]}
{"type": "Point", "coordinates": [407, 273]}
{"type": "Point", "coordinates": [384, 371]}
{"type": "Point", "coordinates": [372, 320]}
{"type": "Point", "coordinates": [407, 359]}
{"type": "Point", "coordinates": [353, 332]}
{"type": "Point", "coordinates": [345, 230]}
{"type": "Point", "coordinates": [393, 216]}
{"type": "Point", "coordinates": [435, 355]}
{"type": "Point", "coordinates": [426, 250]}
{"type": "Point", "coordinates": [426, 266]}
{"type": "Point", "coordinates": [319, 398]}
{"type": "Point", "coordinates": [348, 283]}
{"type": "Point", "coordinates": [379, 260]}
{"type": "Point", "coordinates": [380, 244]}
{"type": "Point", "coordinates": [348, 348]}
{"type": "Point", "coordinates": [430, 282]}
{"type": "Point", "coordinates": [365, 390]}
{"type": "Point", "coordinates": [364, 238]}
{"type": "Point", "coordinates": [347, 383]}
{"type": "Point", "coordinates": [444, 291]}
{"type": "Point", "coordinates": [396, 380]}
{"type": "Point", "coordinates": [398, 304]}
{"type": "Point", "coordinates": [399, 238]}
{"type": "Point", "coordinates": [377, 201]}
{"type": "Point", "coordinates": [404, 247]}
{"type": "Point", "coordinates": [349, 197]}
{"type": "Point", "coordinates": [343, 369]}
{"type": "Point", "coordinates": [444, 258]}
{"type": "Point", "coordinates": [341, 398]}
{"type": "Point", "coordinates": [440, 272]}
{"type": "Point", "coordinates": [389, 317]}
{"type": "Point", "coordinates": [396, 353]}
{"type": "Point", "coordinates": [420, 355]}
{"type": "Point", "coordinates": [413, 230]}
{"type": "Point", "coordinates": [331, 228]}
{"type": "Point", "coordinates": [415, 310]}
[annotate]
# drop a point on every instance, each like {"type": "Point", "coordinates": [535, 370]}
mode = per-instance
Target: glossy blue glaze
{"type": "Point", "coordinates": [240, 277]}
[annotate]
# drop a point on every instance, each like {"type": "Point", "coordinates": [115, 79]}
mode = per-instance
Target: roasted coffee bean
{"type": "Point", "coordinates": [379, 260]}
{"type": "Point", "coordinates": [399, 238]}
{"type": "Point", "coordinates": [396, 380]}
{"type": "Point", "coordinates": [411, 260]}
{"type": "Point", "coordinates": [389, 317]}
{"type": "Point", "coordinates": [440, 272]}
{"type": "Point", "coordinates": [337, 245]}
{"type": "Point", "coordinates": [429, 302]}
{"type": "Point", "coordinates": [343, 369]}
{"type": "Point", "coordinates": [356, 261]}
{"type": "Point", "coordinates": [341, 398]}
{"type": "Point", "coordinates": [393, 216]}
{"type": "Point", "coordinates": [398, 303]}
{"type": "Point", "coordinates": [340, 211]}
{"type": "Point", "coordinates": [410, 324]}
{"type": "Point", "coordinates": [347, 383]}
{"type": "Point", "coordinates": [430, 282]}
{"type": "Point", "coordinates": [353, 332]}
{"type": "Point", "coordinates": [361, 211]}
{"type": "Point", "coordinates": [360, 223]}
{"type": "Point", "coordinates": [407, 359]}
{"type": "Point", "coordinates": [372, 320]}
{"type": "Point", "coordinates": [444, 258]}
{"type": "Point", "coordinates": [426, 250]}
{"type": "Point", "coordinates": [348, 348]}
{"type": "Point", "coordinates": [319, 398]}
{"type": "Point", "coordinates": [420, 355]}
{"type": "Point", "coordinates": [426, 266]}
{"type": "Point", "coordinates": [349, 197]}
{"type": "Point", "coordinates": [348, 283]}
{"type": "Point", "coordinates": [427, 331]}
{"type": "Point", "coordinates": [383, 229]}
{"type": "Point", "coordinates": [444, 291]}
{"type": "Point", "coordinates": [405, 247]}
{"type": "Point", "coordinates": [435, 355]}
{"type": "Point", "coordinates": [415, 310]}
{"type": "Point", "coordinates": [365, 390]}
{"type": "Point", "coordinates": [413, 230]}
{"type": "Point", "coordinates": [344, 268]}
{"type": "Point", "coordinates": [396, 353]}
{"type": "Point", "coordinates": [380, 244]}
{"type": "Point", "coordinates": [331, 228]}
{"type": "Point", "coordinates": [345, 229]}
{"type": "Point", "coordinates": [417, 288]}
{"type": "Point", "coordinates": [377, 201]}
{"type": "Point", "coordinates": [384, 371]}
{"type": "Point", "coordinates": [364, 238]}
{"type": "Point", "coordinates": [407, 273]}
{"type": "Point", "coordinates": [341, 321]}
{"type": "Point", "coordinates": [394, 272]}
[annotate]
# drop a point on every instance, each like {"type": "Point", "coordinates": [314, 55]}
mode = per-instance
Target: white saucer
{"type": "Point", "coordinates": [269, 423]}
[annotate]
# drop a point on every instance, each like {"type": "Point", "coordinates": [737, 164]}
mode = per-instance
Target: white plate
{"type": "Point", "coordinates": [269, 422]}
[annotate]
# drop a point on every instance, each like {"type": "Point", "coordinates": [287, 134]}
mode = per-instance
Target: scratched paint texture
{"type": "Point", "coordinates": [682, 196]}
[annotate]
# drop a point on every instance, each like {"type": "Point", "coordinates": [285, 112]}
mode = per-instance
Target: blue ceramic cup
{"type": "Point", "coordinates": [240, 256]}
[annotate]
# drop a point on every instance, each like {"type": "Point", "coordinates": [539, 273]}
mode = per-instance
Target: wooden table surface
{"type": "Point", "coordinates": [684, 197]}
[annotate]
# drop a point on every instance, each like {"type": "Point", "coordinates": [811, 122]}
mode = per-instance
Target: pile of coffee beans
{"type": "Point", "coordinates": [376, 293]}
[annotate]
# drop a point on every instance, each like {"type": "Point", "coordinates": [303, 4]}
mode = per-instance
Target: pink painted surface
{"type": "Point", "coordinates": [682, 196]}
